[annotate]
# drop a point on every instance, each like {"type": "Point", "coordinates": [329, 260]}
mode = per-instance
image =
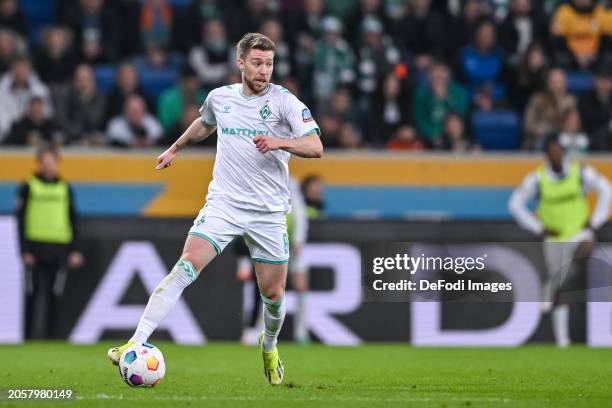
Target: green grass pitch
{"type": "Point", "coordinates": [231, 375]}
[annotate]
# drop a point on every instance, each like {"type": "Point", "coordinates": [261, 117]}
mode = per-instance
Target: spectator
{"type": "Point", "coordinates": [82, 112]}
{"type": "Point", "coordinates": [188, 115]}
{"type": "Point", "coordinates": [465, 25]}
{"type": "Point", "coordinates": [579, 26]}
{"type": "Point", "coordinates": [529, 76]}
{"type": "Point", "coordinates": [362, 10]}
{"type": "Point", "coordinates": [419, 32]}
{"type": "Point", "coordinates": [188, 25]}
{"type": "Point", "coordinates": [34, 128]}
{"type": "Point", "coordinates": [249, 18]}
{"type": "Point", "coordinates": [12, 47]}
{"type": "Point", "coordinates": [596, 109]}
{"type": "Point", "coordinates": [313, 190]}
{"type": "Point", "coordinates": [12, 18]}
{"type": "Point", "coordinates": [522, 26]}
{"type": "Point", "coordinates": [434, 100]}
{"type": "Point", "coordinates": [156, 23]}
{"type": "Point", "coordinates": [135, 127]}
{"type": "Point", "coordinates": [273, 29]}
{"type": "Point", "coordinates": [482, 63]}
{"type": "Point", "coordinates": [349, 137]}
{"type": "Point", "coordinates": [405, 139]}
{"type": "Point", "coordinates": [55, 60]}
{"type": "Point", "coordinates": [127, 84]}
{"type": "Point", "coordinates": [331, 126]}
{"type": "Point", "coordinates": [392, 109]}
{"type": "Point", "coordinates": [48, 237]}
{"type": "Point", "coordinates": [213, 59]}
{"type": "Point", "coordinates": [455, 137]}
{"type": "Point", "coordinates": [158, 59]}
{"type": "Point", "coordinates": [377, 57]}
{"type": "Point", "coordinates": [173, 101]}
{"type": "Point", "coordinates": [545, 109]}
{"type": "Point", "coordinates": [17, 87]}
{"type": "Point", "coordinates": [571, 137]}
{"type": "Point", "coordinates": [334, 60]}
{"type": "Point", "coordinates": [98, 38]}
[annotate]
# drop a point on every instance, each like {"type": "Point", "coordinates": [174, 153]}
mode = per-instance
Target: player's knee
{"type": "Point", "coordinates": [193, 261]}
{"type": "Point", "coordinates": [274, 292]}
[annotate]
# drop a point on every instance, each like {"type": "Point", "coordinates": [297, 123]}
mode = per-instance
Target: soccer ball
{"type": "Point", "coordinates": [142, 365]}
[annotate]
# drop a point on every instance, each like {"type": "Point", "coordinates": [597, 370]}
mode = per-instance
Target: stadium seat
{"type": "Point", "coordinates": [579, 82]}
{"type": "Point", "coordinates": [105, 77]}
{"type": "Point", "coordinates": [498, 130]}
{"type": "Point", "coordinates": [39, 14]}
{"type": "Point", "coordinates": [155, 81]}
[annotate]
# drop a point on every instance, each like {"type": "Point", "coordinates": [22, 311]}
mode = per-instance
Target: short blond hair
{"type": "Point", "coordinates": [256, 41]}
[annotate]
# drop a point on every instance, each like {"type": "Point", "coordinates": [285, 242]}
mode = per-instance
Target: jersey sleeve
{"type": "Point", "coordinates": [207, 113]}
{"type": "Point", "coordinates": [299, 118]}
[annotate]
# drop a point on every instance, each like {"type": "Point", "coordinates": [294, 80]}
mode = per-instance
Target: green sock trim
{"type": "Point", "coordinates": [209, 239]}
{"type": "Point", "coordinates": [188, 268]}
{"type": "Point", "coordinates": [271, 302]}
{"type": "Point", "coordinates": [270, 262]}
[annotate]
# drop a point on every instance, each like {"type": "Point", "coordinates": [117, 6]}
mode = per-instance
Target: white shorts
{"type": "Point", "coordinates": [265, 233]}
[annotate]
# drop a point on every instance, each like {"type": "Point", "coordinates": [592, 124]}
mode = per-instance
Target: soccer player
{"type": "Point", "coordinates": [259, 125]}
{"type": "Point", "coordinates": [562, 221]}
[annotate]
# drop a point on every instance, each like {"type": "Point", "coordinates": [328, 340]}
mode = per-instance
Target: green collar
{"type": "Point", "coordinates": [248, 98]}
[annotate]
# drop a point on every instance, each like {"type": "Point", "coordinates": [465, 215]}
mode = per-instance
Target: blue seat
{"type": "Point", "coordinates": [154, 82]}
{"type": "Point", "coordinates": [499, 130]}
{"type": "Point", "coordinates": [105, 77]}
{"type": "Point", "coordinates": [39, 14]}
{"type": "Point", "coordinates": [579, 82]}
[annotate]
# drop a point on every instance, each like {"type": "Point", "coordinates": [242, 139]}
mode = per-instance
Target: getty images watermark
{"type": "Point", "coordinates": [408, 264]}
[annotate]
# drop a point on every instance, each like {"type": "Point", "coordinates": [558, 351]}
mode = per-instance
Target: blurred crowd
{"type": "Point", "coordinates": [386, 74]}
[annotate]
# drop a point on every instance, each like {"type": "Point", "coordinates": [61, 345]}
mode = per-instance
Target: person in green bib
{"type": "Point", "coordinates": [47, 222]}
{"type": "Point", "coordinates": [563, 222]}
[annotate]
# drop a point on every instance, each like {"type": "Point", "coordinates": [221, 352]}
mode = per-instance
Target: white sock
{"type": "Point", "coordinates": [163, 299]}
{"type": "Point", "coordinates": [301, 327]}
{"type": "Point", "coordinates": [560, 321]}
{"type": "Point", "coordinates": [274, 315]}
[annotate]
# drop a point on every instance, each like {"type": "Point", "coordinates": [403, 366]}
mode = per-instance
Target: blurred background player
{"type": "Point", "coordinates": [48, 231]}
{"type": "Point", "coordinates": [297, 229]}
{"type": "Point", "coordinates": [562, 221]}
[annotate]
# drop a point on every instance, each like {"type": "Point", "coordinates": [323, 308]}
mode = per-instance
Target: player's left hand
{"type": "Point", "coordinates": [75, 259]}
{"type": "Point", "coordinates": [266, 143]}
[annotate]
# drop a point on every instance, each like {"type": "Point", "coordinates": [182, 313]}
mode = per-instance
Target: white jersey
{"type": "Point", "coordinates": [242, 175]}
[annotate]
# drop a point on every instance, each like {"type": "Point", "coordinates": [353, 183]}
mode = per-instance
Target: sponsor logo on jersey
{"type": "Point", "coordinates": [243, 132]}
{"type": "Point", "coordinates": [306, 116]}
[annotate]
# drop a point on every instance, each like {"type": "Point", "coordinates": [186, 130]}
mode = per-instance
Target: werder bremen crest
{"type": "Point", "coordinates": [265, 112]}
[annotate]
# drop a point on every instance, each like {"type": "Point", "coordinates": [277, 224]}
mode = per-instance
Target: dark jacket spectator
{"type": "Point", "coordinates": [391, 109]}
{"type": "Point", "coordinates": [35, 128]}
{"type": "Point", "coordinates": [213, 59]}
{"type": "Point", "coordinates": [127, 84]}
{"type": "Point", "coordinates": [96, 28]}
{"type": "Point", "coordinates": [11, 17]}
{"type": "Point", "coordinates": [464, 26]}
{"type": "Point", "coordinates": [363, 9]}
{"type": "Point", "coordinates": [418, 32]}
{"type": "Point", "coordinates": [455, 137]}
{"type": "Point", "coordinates": [528, 77]}
{"type": "Point", "coordinates": [248, 18]}
{"type": "Point", "coordinates": [82, 111]}
{"type": "Point", "coordinates": [56, 60]}
{"type": "Point", "coordinates": [523, 25]}
{"type": "Point", "coordinates": [12, 46]}
{"type": "Point", "coordinates": [596, 109]}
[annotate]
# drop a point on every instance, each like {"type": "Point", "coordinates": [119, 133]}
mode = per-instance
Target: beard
{"type": "Point", "coordinates": [255, 86]}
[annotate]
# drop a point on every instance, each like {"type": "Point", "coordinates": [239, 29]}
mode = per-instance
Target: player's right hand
{"type": "Point", "coordinates": [165, 159]}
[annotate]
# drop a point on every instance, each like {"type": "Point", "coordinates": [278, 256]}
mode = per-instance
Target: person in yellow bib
{"type": "Point", "coordinates": [563, 222]}
{"type": "Point", "coordinates": [47, 223]}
